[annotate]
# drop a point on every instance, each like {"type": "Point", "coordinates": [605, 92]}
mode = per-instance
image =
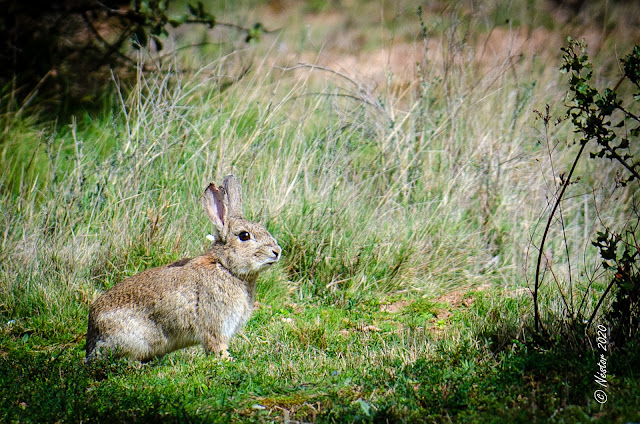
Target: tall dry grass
{"type": "Point", "coordinates": [369, 190]}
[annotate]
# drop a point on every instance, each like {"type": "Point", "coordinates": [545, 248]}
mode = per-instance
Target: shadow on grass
{"type": "Point", "coordinates": [465, 382]}
{"type": "Point", "coordinates": [518, 384]}
{"type": "Point", "coordinates": [37, 387]}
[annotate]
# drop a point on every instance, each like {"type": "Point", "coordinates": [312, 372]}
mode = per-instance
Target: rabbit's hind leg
{"type": "Point", "coordinates": [133, 335]}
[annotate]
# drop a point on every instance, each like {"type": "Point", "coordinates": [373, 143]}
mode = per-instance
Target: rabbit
{"type": "Point", "coordinates": [203, 300]}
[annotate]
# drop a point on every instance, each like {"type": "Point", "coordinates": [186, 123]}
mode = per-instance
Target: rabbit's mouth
{"type": "Point", "coordinates": [266, 260]}
{"type": "Point", "coordinates": [274, 256]}
{"type": "Point", "coordinates": [270, 260]}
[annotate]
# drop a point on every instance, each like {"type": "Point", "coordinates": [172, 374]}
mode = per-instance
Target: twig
{"type": "Point", "coordinates": [538, 323]}
{"type": "Point", "coordinates": [604, 295]}
{"type": "Point", "coordinates": [111, 48]}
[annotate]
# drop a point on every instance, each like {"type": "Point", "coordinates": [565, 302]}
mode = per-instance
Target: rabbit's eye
{"type": "Point", "coordinates": [244, 236]}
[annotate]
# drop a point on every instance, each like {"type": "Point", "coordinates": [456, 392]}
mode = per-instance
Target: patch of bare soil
{"type": "Point", "coordinates": [377, 57]}
{"type": "Point", "coordinates": [395, 307]}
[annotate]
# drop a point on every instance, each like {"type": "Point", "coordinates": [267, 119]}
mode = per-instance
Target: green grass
{"type": "Point", "coordinates": [405, 216]}
{"type": "Point", "coordinates": [308, 362]}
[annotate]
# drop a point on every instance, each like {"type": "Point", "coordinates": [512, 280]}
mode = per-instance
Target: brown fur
{"type": "Point", "coordinates": [204, 300]}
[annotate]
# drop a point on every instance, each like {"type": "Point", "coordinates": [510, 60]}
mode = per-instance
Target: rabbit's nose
{"type": "Point", "coordinates": [276, 252]}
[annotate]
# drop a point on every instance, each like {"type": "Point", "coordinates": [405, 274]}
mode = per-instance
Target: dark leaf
{"type": "Point", "coordinates": [157, 42]}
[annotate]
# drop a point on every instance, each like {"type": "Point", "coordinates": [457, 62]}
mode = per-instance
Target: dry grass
{"type": "Point", "coordinates": [392, 170]}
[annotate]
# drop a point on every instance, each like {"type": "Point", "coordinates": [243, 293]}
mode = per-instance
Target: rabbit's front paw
{"type": "Point", "coordinates": [224, 355]}
{"type": "Point", "coordinates": [218, 348]}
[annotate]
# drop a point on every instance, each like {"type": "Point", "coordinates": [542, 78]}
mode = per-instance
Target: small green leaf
{"type": "Point", "coordinates": [366, 408]}
{"type": "Point", "coordinates": [141, 36]}
{"type": "Point", "coordinates": [157, 42]}
{"type": "Point", "coordinates": [255, 32]}
{"type": "Point", "coordinates": [176, 21]}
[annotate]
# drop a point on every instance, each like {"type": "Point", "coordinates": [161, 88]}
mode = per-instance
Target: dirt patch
{"type": "Point", "coordinates": [395, 307]}
{"type": "Point", "coordinates": [380, 52]}
{"type": "Point", "coordinates": [455, 299]}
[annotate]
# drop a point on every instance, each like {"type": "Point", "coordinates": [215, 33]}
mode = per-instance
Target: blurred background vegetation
{"type": "Point", "coordinates": [406, 155]}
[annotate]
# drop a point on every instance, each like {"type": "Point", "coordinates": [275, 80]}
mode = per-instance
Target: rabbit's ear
{"type": "Point", "coordinates": [234, 195]}
{"type": "Point", "coordinates": [215, 204]}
